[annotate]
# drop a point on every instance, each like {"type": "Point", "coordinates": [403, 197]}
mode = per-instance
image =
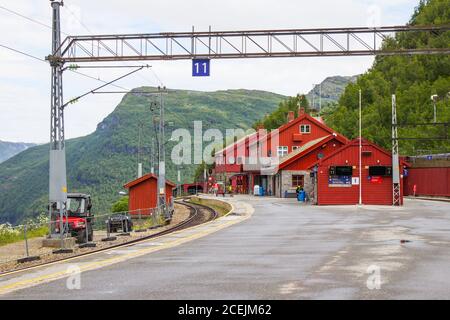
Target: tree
{"type": "Point", "coordinates": [120, 205]}
{"type": "Point", "coordinates": [278, 117]}
{"type": "Point", "coordinates": [413, 79]}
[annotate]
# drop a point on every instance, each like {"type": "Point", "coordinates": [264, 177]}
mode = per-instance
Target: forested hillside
{"type": "Point", "coordinates": [414, 79]}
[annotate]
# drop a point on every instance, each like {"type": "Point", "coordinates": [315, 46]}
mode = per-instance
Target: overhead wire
{"type": "Point", "coordinates": [158, 79]}
{"type": "Point", "coordinates": [71, 70]}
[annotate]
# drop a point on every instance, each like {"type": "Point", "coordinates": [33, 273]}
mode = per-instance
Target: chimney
{"type": "Point", "coordinates": [290, 116]}
{"type": "Point", "coordinates": [301, 111]}
{"type": "Point", "coordinates": [259, 126]}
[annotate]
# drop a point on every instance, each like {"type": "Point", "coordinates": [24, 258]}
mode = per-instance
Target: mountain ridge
{"type": "Point", "coordinates": [9, 149]}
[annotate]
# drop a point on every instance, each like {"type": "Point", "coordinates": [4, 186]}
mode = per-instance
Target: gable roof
{"type": "Point", "coordinates": [285, 127]}
{"type": "Point", "coordinates": [304, 116]}
{"type": "Point", "coordinates": [144, 178]}
{"type": "Point", "coordinates": [307, 148]}
{"type": "Point", "coordinates": [241, 140]}
{"type": "Point", "coordinates": [355, 142]}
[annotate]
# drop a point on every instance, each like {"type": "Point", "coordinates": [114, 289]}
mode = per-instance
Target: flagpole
{"type": "Point", "coordinates": [360, 151]}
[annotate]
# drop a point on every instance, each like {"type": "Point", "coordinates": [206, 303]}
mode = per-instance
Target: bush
{"type": "Point", "coordinates": [120, 205]}
{"type": "Point", "coordinates": [9, 234]}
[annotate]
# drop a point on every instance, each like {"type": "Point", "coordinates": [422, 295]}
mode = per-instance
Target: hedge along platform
{"type": "Point", "coordinates": [337, 176]}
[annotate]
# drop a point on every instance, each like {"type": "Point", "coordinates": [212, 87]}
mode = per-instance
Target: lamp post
{"type": "Point", "coordinates": [434, 98]}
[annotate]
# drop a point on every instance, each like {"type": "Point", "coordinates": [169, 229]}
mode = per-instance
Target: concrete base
{"type": "Point", "coordinates": [88, 245]}
{"type": "Point", "coordinates": [109, 239]}
{"type": "Point", "coordinates": [28, 259]}
{"type": "Point", "coordinates": [62, 251]}
{"type": "Point", "coordinates": [56, 243]}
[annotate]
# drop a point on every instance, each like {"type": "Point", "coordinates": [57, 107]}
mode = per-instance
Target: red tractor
{"type": "Point", "coordinates": [79, 217]}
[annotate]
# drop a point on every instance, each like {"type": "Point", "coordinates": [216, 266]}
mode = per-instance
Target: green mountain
{"type": "Point", "coordinates": [329, 91]}
{"type": "Point", "coordinates": [414, 79]}
{"type": "Point", "coordinates": [9, 149]}
{"type": "Point", "coordinates": [101, 162]}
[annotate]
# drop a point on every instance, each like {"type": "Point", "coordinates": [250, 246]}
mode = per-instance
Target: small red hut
{"type": "Point", "coordinates": [143, 194]}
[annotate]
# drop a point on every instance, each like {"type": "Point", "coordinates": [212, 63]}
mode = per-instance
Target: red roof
{"type": "Point", "coordinates": [290, 158]}
{"type": "Point", "coordinates": [146, 177]}
{"type": "Point", "coordinates": [354, 142]}
{"type": "Point", "coordinates": [313, 120]}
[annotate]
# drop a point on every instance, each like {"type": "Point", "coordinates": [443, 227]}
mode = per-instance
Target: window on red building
{"type": "Point", "coordinates": [297, 180]}
{"type": "Point", "coordinates": [282, 151]}
{"type": "Point", "coordinates": [305, 128]}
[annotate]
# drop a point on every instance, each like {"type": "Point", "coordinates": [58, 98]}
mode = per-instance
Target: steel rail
{"type": "Point", "coordinates": [180, 226]}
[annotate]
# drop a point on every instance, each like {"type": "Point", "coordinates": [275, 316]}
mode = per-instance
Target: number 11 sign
{"type": "Point", "coordinates": [200, 67]}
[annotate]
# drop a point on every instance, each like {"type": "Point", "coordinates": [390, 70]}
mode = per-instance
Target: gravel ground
{"type": "Point", "coordinates": [11, 252]}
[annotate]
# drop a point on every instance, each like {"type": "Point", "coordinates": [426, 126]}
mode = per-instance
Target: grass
{"type": "Point", "coordinates": [10, 235]}
{"type": "Point", "coordinates": [146, 223]}
{"type": "Point", "coordinates": [221, 207]}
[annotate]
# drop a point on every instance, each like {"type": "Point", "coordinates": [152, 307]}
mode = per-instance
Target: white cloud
{"type": "Point", "coordinates": [24, 83]}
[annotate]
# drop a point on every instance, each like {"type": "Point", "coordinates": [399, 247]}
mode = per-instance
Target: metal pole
{"type": "Point", "coordinates": [434, 111]}
{"type": "Point", "coordinates": [108, 229]}
{"type": "Point", "coordinates": [179, 181]}
{"type": "Point", "coordinates": [320, 98]}
{"type": "Point", "coordinates": [26, 240]}
{"type": "Point", "coordinates": [205, 181]}
{"type": "Point", "coordinates": [161, 156]}
{"type": "Point", "coordinates": [360, 149]}
{"type": "Point", "coordinates": [139, 151]}
{"type": "Point", "coordinates": [57, 166]}
{"type": "Point", "coordinates": [395, 157]}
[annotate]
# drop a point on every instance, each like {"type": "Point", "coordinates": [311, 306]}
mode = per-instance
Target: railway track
{"type": "Point", "coordinates": [199, 214]}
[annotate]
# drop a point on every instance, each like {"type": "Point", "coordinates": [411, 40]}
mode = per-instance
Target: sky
{"type": "Point", "coordinates": [25, 82]}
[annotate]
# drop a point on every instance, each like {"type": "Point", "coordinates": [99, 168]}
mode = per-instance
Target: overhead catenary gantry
{"type": "Point", "coordinates": [241, 44]}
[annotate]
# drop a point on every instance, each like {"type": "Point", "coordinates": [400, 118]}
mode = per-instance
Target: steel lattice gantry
{"type": "Point", "coordinates": [241, 44]}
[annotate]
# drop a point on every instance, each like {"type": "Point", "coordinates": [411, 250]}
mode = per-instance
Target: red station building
{"type": "Point", "coordinates": [232, 162]}
{"type": "Point", "coordinates": [338, 175]}
{"type": "Point", "coordinates": [143, 194]}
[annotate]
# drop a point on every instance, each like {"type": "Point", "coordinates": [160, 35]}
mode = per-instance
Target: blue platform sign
{"type": "Point", "coordinates": [200, 67]}
{"type": "Point", "coordinates": [339, 181]}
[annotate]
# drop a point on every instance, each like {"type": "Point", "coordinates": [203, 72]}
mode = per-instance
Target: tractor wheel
{"type": "Point", "coordinates": [81, 237]}
{"type": "Point", "coordinates": [90, 232]}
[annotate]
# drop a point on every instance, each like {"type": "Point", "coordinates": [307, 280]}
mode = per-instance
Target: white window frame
{"type": "Point", "coordinates": [303, 128]}
{"type": "Point", "coordinates": [282, 151]}
{"type": "Point", "coordinates": [295, 148]}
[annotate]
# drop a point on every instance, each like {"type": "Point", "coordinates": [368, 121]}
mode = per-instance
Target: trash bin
{"type": "Point", "coordinates": [261, 191]}
{"type": "Point", "coordinates": [301, 196]}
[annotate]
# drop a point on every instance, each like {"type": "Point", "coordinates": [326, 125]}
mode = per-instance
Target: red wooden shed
{"type": "Point", "coordinates": [143, 194]}
{"type": "Point", "coordinates": [338, 175]}
{"type": "Point", "coordinates": [430, 181]}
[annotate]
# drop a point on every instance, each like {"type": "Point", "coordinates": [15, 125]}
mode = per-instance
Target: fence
{"type": "Point", "coordinates": [23, 243]}
{"type": "Point", "coordinates": [428, 182]}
